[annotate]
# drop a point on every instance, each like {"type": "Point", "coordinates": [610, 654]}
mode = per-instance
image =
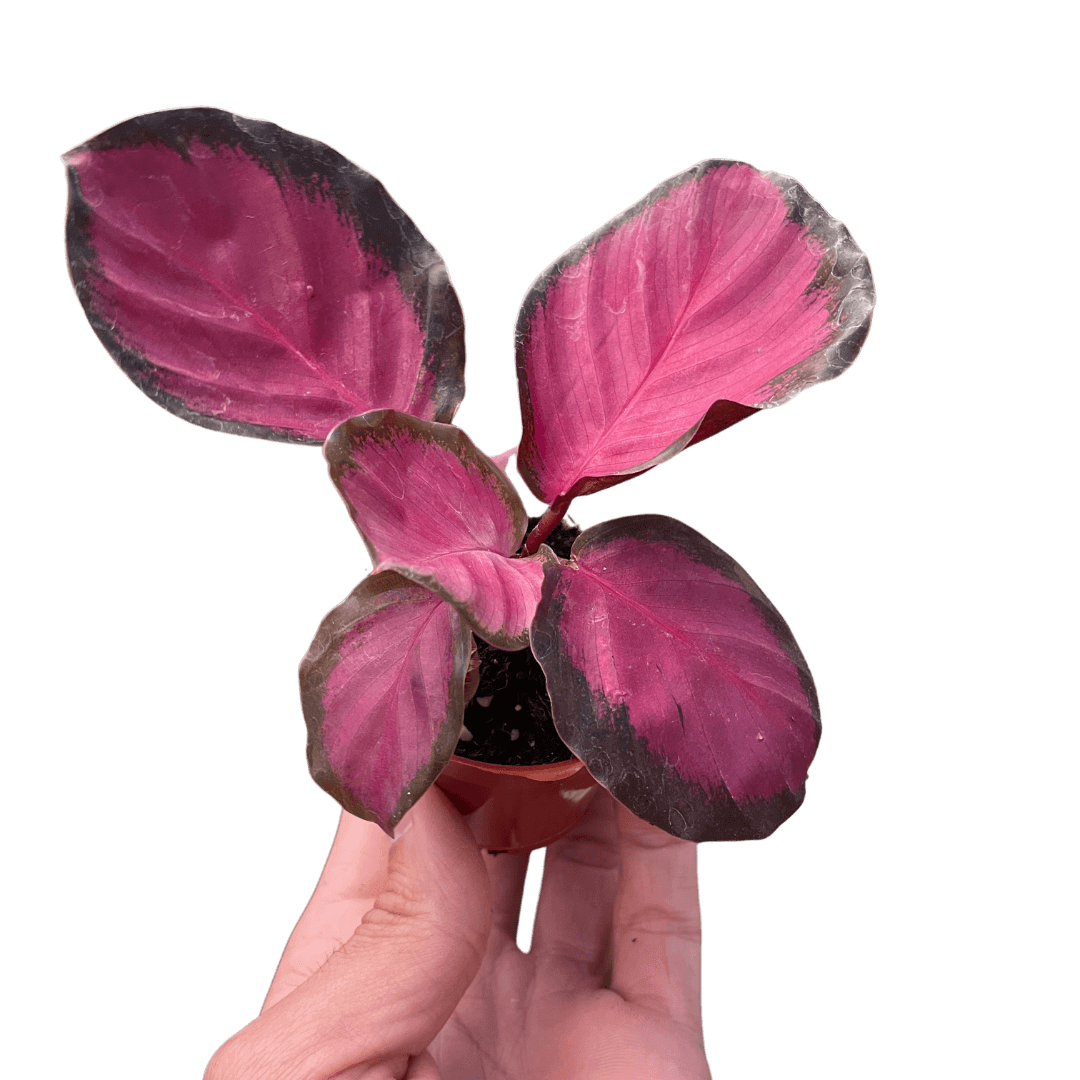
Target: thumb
{"type": "Point", "coordinates": [385, 994]}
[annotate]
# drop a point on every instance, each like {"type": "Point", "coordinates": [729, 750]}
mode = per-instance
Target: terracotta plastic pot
{"type": "Point", "coordinates": [517, 808]}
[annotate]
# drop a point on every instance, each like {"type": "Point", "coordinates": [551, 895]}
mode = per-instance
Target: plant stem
{"type": "Point", "coordinates": [546, 525]}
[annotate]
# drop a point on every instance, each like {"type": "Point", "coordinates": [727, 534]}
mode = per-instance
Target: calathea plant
{"type": "Point", "coordinates": [256, 282]}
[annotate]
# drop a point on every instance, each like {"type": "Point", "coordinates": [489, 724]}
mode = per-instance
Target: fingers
{"type": "Point", "coordinates": [574, 913]}
{"type": "Point", "coordinates": [613, 860]}
{"type": "Point", "coordinates": [353, 876]}
{"type": "Point", "coordinates": [507, 875]}
{"type": "Point", "coordinates": [656, 958]}
{"type": "Point", "coordinates": [421, 1068]}
{"type": "Point", "coordinates": [387, 991]}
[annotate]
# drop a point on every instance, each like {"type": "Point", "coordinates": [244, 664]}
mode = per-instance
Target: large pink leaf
{"type": "Point", "coordinates": [255, 281]}
{"type": "Point", "coordinates": [676, 681]}
{"type": "Point", "coordinates": [382, 690]}
{"type": "Point", "coordinates": [723, 287]}
{"type": "Point", "coordinates": [431, 506]}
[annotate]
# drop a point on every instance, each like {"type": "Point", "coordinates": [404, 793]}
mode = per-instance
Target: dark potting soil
{"type": "Point", "coordinates": [509, 716]}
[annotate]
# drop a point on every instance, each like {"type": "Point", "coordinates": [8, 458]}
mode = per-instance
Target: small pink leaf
{"type": "Point", "coordinates": [725, 290]}
{"type": "Point", "coordinates": [503, 459]}
{"type": "Point", "coordinates": [255, 281]}
{"type": "Point", "coordinates": [431, 506]}
{"type": "Point", "coordinates": [382, 691]}
{"type": "Point", "coordinates": [676, 681]}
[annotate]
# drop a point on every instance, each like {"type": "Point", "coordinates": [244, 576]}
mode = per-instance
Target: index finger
{"type": "Point", "coordinates": [353, 876]}
{"type": "Point", "coordinates": [656, 939]}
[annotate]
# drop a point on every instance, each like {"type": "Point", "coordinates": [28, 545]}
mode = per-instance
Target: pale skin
{"type": "Point", "coordinates": [404, 964]}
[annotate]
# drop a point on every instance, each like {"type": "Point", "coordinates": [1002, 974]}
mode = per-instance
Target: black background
{"type": "Point", "coordinates": [194, 566]}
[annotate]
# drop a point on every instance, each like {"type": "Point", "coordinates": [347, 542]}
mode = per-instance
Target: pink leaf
{"type": "Point", "coordinates": [503, 459]}
{"type": "Point", "coordinates": [676, 681]}
{"type": "Point", "coordinates": [382, 690]}
{"type": "Point", "coordinates": [255, 281]}
{"type": "Point", "coordinates": [431, 506]}
{"type": "Point", "coordinates": [723, 287]}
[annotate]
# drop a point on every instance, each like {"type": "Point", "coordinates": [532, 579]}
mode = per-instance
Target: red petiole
{"type": "Point", "coordinates": [547, 524]}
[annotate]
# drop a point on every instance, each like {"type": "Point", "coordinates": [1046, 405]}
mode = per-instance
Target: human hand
{"type": "Point", "coordinates": [404, 963]}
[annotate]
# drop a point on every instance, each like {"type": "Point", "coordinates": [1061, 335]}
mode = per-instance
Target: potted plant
{"type": "Point", "coordinates": [256, 282]}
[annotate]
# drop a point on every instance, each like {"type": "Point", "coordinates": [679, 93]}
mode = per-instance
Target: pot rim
{"type": "Point", "coordinates": [554, 770]}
